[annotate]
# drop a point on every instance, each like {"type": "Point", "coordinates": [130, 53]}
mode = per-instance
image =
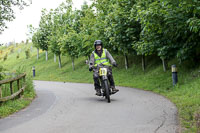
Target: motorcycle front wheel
{"type": "Point", "coordinates": [107, 91]}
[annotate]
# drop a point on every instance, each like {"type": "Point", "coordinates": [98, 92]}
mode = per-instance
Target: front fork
{"type": "Point", "coordinates": [103, 78]}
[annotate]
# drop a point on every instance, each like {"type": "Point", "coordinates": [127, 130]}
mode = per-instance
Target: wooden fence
{"type": "Point", "coordinates": [19, 87]}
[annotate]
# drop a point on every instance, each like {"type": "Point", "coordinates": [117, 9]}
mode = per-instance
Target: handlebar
{"type": "Point", "coordinates": [100, 65]}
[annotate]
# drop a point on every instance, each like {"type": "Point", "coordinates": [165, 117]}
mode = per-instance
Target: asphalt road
{"type": "Point", "coordinates": [73, 108]}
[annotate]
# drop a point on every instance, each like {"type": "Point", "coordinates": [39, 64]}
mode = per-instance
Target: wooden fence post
{"type": "Point", "coordinates": [11, 88]}
{"type": "Point", "coordinates": [0, 92]}
{"type": "Point", "coordinates": [18, 85]}
{"type": "Point", "coordinates": [24, 79]}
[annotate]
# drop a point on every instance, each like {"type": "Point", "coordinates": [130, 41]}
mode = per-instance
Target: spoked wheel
{"type": "Point", "coordinates": [107, 91]}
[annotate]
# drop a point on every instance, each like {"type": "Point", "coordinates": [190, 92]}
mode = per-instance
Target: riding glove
{"type": "Point", "coordinates": [90, 69]}
{"type": "Point", "coordinates": [115, 64]}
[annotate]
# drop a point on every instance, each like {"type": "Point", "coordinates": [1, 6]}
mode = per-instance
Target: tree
{"type": "Point", "coordinates": [70, 44]}
{"type": "Point", "coordinates": [7, 13]}
{"type": "Point", "coordinates": [119, 28]}
{"type": "Point", "coordinates": [189, 44]}
{"type": "Point", "coordinates": [165, 30]}
{"type": "Point", "coordinates": [70, 41]}
{"type": "Point", "coordinates": [151, 15]}
{"type": "Point", "coordinates": [35, 40]}
{"type": "Point", "coordinates": [88, 30]}
{"type": "Point", "coordinates": [45, 31]}
{"type": "Point", "coordinates": [33, 36]}
{"type": "Point", "coordinates": [56, 32]}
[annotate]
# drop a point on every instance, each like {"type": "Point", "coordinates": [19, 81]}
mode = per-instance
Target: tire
{"type": "Point", "coordinates": [107, 91]}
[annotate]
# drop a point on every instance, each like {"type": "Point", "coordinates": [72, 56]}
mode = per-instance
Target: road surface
{"type": "Point", "coordinates": [73, 108]}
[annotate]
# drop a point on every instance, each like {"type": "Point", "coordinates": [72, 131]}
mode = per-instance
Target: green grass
{"type": "Point", "coordinates": [185, 95]}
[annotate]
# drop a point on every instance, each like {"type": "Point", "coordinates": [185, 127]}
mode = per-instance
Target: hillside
{"type": "Point", "coordinates": [185, 95]}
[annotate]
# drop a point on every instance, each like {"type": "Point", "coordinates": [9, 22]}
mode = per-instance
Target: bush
{"type": "Point", "coordinates": [27, 52]}
{"type": "Point", "coordinates": [17, 57]}
{"type": "Point", "coordinates": [5, 57]}
{"type": "Point", "coordinates": [12, 50]}
{"type": "Point", "coordinates": [1, 73]}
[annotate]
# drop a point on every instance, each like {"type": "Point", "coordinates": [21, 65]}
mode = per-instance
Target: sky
{"type": "Point", "coordinates": [17, 29]}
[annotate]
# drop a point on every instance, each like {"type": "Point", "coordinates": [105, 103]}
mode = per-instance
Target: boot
{"type": "Point", "coordinates": [98, 92]}
{"type": "Point", "coordinates": [114, 90]}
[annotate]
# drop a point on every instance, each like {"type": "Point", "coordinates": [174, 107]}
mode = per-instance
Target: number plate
{"type": "Point", "coordinates": [102, 71]}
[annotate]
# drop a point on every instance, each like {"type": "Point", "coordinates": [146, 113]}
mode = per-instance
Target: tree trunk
{"type": "Point", "coordinates": [46, 55]}
{"type": "Point", "coordinates": [165, 64]}
{"type": "Point", "coordinates": [143, 63]}
{"type": "Point", "coordinates": [126, 61]}
{"type": "Point", "coordinates": [59, 59]}
{"type": "Point", "coordinates": [73, 66]}
{"type": "Point", "coordinates": [54, 57]}
{"type": "Point", "coordinates": [37, 53]}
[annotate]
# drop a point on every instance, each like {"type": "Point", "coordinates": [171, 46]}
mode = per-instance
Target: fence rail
{"type": "Point", "coordinates": [11, 81]}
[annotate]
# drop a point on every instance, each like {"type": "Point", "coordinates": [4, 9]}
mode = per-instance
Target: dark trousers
{"type": "Point", "coordinates": [96, 78]}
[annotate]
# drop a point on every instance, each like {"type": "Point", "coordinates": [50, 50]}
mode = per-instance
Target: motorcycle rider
{"type": "Point", "coordinates": [101, 56]}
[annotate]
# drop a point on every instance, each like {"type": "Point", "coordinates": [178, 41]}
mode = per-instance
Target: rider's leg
{"type": "Point", "coordinates": [97, 83]}
{"type": "Point", "coordinates": [112, 83]}
{"type": "Point", "coordinates": [111, 80]}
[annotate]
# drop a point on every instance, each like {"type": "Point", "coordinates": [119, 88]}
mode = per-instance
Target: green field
{"type": "Point", "coordinates": [185, 95]}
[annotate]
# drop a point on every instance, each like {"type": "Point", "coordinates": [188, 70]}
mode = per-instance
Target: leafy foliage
{"type": "Point", "coordinates": [6, 11]}
{"type": "Point", "coordinates": [166, 28]}
{"type": "Point", "coordinates": [27, 53]}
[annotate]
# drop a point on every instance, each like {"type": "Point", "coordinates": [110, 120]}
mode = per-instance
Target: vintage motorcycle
{"type": "Point", "coordinates": [105, 87]}
{"type": "Point", "coordinates": [106, 90]}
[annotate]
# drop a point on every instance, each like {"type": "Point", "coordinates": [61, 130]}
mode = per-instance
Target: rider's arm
{"type": "Point", "coordinates": [109, 56]}
{"type": "Point", "coordinates": [91, 62]}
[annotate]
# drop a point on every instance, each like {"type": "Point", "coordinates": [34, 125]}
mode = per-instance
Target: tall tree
{"type": "Point", "coordinates": [119, 28]}
{"type": "Point", "coordinates": [70, 41]}
{"type": "Point", "coordinates": [45, 31]}
{"type": "Point", "coordinates": [88, 31]}
{"type": "Point", "coordinates": [35, 40]}
{"type": "Point", "coordinates": [56, 32]}
{"type": "Point", "coordinates": [70, 45]}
